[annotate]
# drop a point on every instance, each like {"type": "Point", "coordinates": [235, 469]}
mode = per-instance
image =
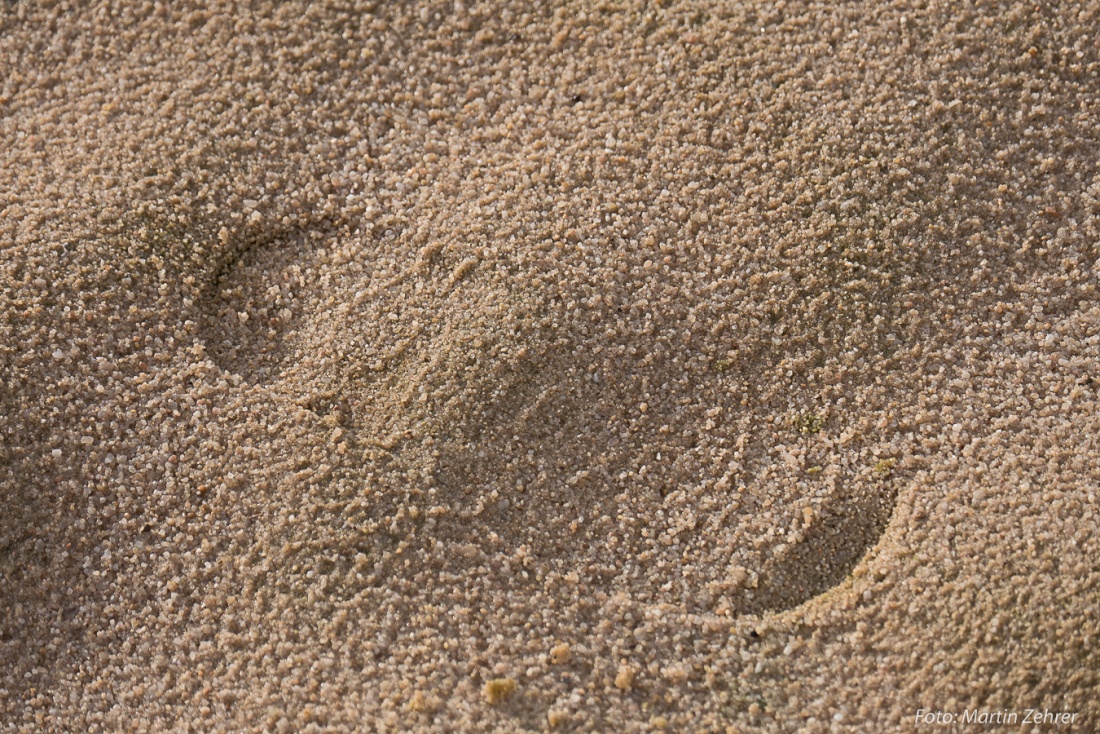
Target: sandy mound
{"type": "Point", "coordinates": [494, 368]}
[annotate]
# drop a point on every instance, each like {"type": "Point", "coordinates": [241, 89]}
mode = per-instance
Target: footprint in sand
{"type": "Point", "coordinates": [598, 439]}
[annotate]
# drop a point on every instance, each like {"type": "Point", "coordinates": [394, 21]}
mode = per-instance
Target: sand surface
{"type": "Point", "coordinates": [500, 367]}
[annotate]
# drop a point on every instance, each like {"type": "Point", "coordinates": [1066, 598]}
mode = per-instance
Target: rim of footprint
{"type": "Point", "coordinates": [703, 450]}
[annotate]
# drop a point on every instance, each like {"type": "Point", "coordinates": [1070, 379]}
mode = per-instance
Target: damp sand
{"type": "Point", "coordinates": [503, 367]}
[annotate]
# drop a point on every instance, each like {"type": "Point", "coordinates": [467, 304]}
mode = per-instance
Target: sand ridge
{"type": "Point", "coordinates": [627, 367]}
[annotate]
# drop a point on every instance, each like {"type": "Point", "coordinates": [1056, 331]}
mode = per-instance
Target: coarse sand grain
{"type": "Point", "coordinates": [510, 367]}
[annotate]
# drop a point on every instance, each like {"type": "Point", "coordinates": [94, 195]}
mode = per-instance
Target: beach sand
{"type": "Point", "coordinates": [611, 367]}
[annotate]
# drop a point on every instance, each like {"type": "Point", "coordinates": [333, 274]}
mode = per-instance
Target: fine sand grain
{"type": "Point", "coordinates": [609, 367]}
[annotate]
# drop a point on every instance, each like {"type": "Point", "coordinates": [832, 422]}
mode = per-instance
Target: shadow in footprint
{"type": "Point", "coordinates": [568, 468]}
{"type": "Point", "coordinates": [253, 304]}
{"type": "Point", "coordinates": [615, 462]}
{"type": "Point", "coordinates": [826, 552]}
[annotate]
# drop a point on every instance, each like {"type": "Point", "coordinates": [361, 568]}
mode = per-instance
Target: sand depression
{"type": "Point", "coordinates": [647, 448]}
{"type": "Point", "coordinates": [679, 364]}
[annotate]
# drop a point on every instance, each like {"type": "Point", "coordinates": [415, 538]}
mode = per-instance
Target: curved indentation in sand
{"type": "Point", "coordinates": [627, 464]}
{"type": "Point", "coordinates": [247, 312]}
{"type": "Point", "coordinates": [827, 548]}
{"type": "Point", "coordinates": [551, 478]}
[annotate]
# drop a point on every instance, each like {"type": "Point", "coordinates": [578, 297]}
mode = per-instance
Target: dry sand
{"type": "Point", "coordinates": [613, 367]}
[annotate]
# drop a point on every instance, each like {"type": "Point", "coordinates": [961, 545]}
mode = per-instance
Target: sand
{"type": "Point", "coordinates": [610, 367]}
